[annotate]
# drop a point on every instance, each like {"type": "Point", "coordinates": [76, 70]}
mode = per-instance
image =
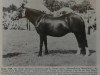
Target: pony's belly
{"type": "Point", "coordinates": [57, 33]}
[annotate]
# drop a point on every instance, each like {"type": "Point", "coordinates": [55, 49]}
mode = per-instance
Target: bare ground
{"type": "Point", "coordinates": [20, 48]}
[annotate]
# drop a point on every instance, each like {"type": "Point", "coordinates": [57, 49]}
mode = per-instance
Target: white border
{"type": "Point", "coordinates": [98, 32]}
{"type": "Point", "coordinates": [0, 33]}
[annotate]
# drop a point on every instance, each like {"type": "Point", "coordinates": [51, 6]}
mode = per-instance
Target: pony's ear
{"type": "Point", "coordinates": [24, 2]}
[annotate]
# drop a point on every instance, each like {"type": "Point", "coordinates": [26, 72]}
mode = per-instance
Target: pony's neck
{"type": "Point", "coordinates": [33, 15]}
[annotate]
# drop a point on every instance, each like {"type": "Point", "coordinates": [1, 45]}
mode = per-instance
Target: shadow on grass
{"type": "Point", "coordinates": [62, 51]}
{"type": "Point", "coordinates": [92, 51]}
{"type": "Point", "coordinates": [10, 55]}
{"type": "Point", "coordinates": [68, 51]}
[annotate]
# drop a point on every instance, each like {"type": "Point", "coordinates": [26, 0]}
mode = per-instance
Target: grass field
{"type": "Point", "coordinates": [20, 48]}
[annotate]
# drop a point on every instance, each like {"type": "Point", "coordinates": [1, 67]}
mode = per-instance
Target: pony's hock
{"type": "Point", "coordinates": [55, 26]}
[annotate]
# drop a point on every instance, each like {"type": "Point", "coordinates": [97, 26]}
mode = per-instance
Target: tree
{"type": "Point", "coordinates": [71, 3]}
{"type": "Point", "coordinates": [83, 7]}
{"type": "Point", "coordinates": [86, 4]}
{"type": "Point", "coordinates": [12, 7]}
{"type": "Point", "coordinates": [53, 5]}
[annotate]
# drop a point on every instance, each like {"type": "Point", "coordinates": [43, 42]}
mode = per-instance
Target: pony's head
{"type": "Point", "coordinates": [20, 12]}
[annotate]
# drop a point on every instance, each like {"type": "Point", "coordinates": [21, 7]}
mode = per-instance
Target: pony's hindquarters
{"type": "Point", "coordinates": [78, 28]}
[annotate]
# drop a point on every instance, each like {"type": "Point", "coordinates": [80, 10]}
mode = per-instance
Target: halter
{"type": "Point", "coordinates": [23, 14]}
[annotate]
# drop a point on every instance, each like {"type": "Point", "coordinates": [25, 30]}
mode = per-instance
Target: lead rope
{"type": "Point", "coordinates": [67, 19]}
{"type": "Point", "coordinates": [38, 21]}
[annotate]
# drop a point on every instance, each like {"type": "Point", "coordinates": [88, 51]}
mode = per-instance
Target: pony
{"type": "Point", "coordinates": [48, 25]}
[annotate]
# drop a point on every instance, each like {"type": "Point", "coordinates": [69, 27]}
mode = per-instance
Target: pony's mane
{"type": "Point", "coordinates": [35, 10]}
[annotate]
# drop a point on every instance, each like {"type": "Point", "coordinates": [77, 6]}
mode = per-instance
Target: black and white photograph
{"type": "Point", "coordinates": [49, 33]}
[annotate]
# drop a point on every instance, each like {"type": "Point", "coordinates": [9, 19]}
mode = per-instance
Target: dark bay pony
{"type": "Point", "coordinates": [46, 24]}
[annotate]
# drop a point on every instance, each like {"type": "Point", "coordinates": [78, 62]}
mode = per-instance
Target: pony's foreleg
{"type": "Point", "coordinates": [45, 43]}
{"type": "Point", "coordinates": [41, 45]}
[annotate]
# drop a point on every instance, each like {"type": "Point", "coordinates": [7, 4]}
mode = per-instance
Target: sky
{"type": "Point", "coordinates": [78, 1]}
{"type": "Point", "coordinates": [36, 4]}
{"type": "Point", "coordinates": [17, 2]}
{"type": "Point", "coordinates": [31, 3]}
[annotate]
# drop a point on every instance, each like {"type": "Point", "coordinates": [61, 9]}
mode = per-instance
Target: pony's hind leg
{"type": "Point", "coordinates": [82, 43]}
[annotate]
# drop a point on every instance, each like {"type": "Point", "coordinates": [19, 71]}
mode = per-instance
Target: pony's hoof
{"type": "Point", "coordinates": [83, 54]}
{"type": "Point", "coordinates": [39, 55]}
{"type": "Point", "coordinates": [46, 53]}
{"type": "Point", "coordinates": [86, 55]}
{"type": "Point", "coordinates": [78, 53]}
{"type": "Point", "coordinates": [87, 52]}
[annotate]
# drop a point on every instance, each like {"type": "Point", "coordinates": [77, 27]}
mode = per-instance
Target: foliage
{"type": "Point", "coordinates": [86, 4]}
{"type": "Point", "coordinates": [71, 3]}
{"type": "Point", "coordinates": [53, 5]}
{"type": "Point", "coordinates": [83, 7]}
{"type": "Point", "coordinates": [12, 7]}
